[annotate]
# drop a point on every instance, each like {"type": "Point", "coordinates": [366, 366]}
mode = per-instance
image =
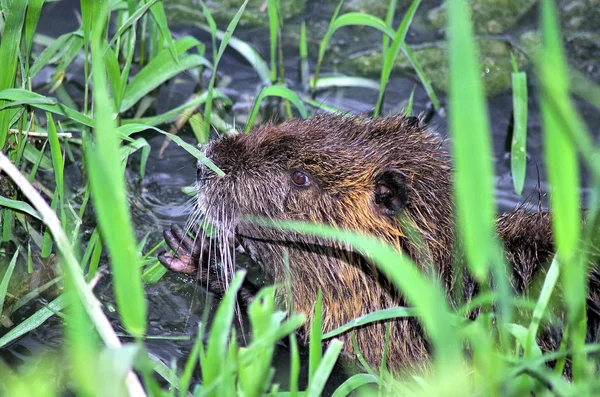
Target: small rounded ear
{"type": "Point", "coordinates": [391, 192]}
{"type": "Point", "coordinates": [412, 121]}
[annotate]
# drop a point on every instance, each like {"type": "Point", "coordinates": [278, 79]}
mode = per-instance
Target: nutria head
{"type": "Point", "coordinates": [377, 176]}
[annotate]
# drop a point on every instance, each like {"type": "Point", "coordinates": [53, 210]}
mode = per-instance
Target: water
{"type": "Point", "coordinates": [176, 303]}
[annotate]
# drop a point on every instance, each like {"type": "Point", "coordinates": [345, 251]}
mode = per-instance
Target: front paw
{"type": "Point", "coordinates": [188, 250]}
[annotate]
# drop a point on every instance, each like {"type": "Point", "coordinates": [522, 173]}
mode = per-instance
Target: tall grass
{"type": "Point", "coordinates": [496, 354]}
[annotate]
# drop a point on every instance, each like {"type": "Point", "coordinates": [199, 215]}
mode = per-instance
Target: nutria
{"type": "Point", "coordinates": [382, 176]}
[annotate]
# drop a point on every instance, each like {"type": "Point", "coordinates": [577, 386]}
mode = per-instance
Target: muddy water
{"type": "Point", "coordinates": [176, 303]}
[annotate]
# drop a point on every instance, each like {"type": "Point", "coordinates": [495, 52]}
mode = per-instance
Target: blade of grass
{"type": "Point", "coordinates": [34, 321]}
{"type": "Point", "coordinates": [346, 81]}
{"type": "Point", "coordinates": [315, 387]}
{"type": "Point", "coordinates": [50, 52]}
{"type": "Point", "coordinates": [131, 21]}
{"type": "Point", "coordinates": [351, 18]}
{"type": "Point", "coordinates": [391, 53]}
{"type": "Point", "coordinates": [213, 362]}
{"type": "Point", "coordinates": [110, 198]}
{"type": "Point", "coordinates": [563, 175]}
{"type": "Point", "coordinates": [132, 128]}
{"type": "Point", "coordinates": [72, 50]}
{"type": "Point", "coordinates": [6, 279]}
{"type": "Point", "coordinates": [389, 19]}
{"type": "Point", "coordinates": [409, 105]}
{"type": "Point", "coordinates": [246, 51]}
{"type": "Point", "coordinates": [294, 365]}
{"type": "Point", "coordinates": [34, 9]}
{"type": "Point", "coordinates": [273, 31]}
{"type": "Point", "coordinates": [57, 164]}
{"type": "Point", "coordinates": [304, 69]}
{"type": "Point", "coordinates": [224, 43]}
{"type": "Point", "coordinates": [9, 50]}
{"type": "Point", "coordinates": [316, 340]}
{"type": "Point", "coordinates": [176, 112]}
{"type": "Point", "coordinates": [380, 315]}
{"type": "Point", "coordinates": [518, 152]}
{"type": "Point", "coordinates": [471, 148]}
{"type": "Point", "coordinates": [44, 103]}
{"type": "Point", "coordinates": [278, 91]}
{"type": "Point", "coordinates": [353, 383]}
{"type": "Point", "coordinates": [19, 206]}
{"type": "Point", "coordinates": [159, 70]}
{"type": "Point", "coordinates": [190, 364]}
{"type": "Point", "coordinates": [158, 13]}
{"type": "Point", "coordinates": [422, 76]}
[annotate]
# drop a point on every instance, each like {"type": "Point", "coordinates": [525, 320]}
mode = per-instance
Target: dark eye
{"type": "Point", "coordinates": [300, 178]}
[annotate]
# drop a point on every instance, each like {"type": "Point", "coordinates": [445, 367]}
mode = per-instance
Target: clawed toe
{"type": "Point", "coordinates": [180, 242]}
{"type": "Point", "coordinates": [179, 264]}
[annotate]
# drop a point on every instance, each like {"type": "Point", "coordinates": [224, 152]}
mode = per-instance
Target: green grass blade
{"type": "Point", "coordinates": [131, 21]}
{"type": "Point", "coordinates": [541, 305]}
{"type": "Point", "coordinates": [422, 77]}
{"type": "Point", "coordinates": [409, 105]}
{"type": "Point", "coordinates": [82, 345]}
{"type": "Point", "coordinates": [315, 387]}
{"type": "Point", "coordinates": [57, 164]}
{"type": "Point", "coordinates": [129, 129]}
{"type": "Point", "coordinates": [304, 68]}
{"type": "Point", "coordinates": [273, 11]}
{"type": "Point", "coordinates": [72, 50]}
{"type": "Point", "coordinates": [561, 159]}
{"type": "Point", "coordinates": [176, 112]}
{"type": "Point", "coordinates": [351, 18]}
{"type": "Point", "coordinates": [471, 146]}
{"type": "Point", "coordinates": [380, 315]}
{"type": "Point", "coordinates": [9, 50]}
{"type": "Point", "coordinates": [113, 71]}
{"type": "Point", "coordinates": [160, 18]}
{"type": "Point", "coordinates": [224, 43]}
{"type": "Point", "coordinates": [316, 339]}
{"type": "Point", "coordinates": [518, 151]}
{"type": "Point", "coordinates": [49, 52]}
{"type": "Point", "coordinates": [584, 87]}
{"type": "Point", "coordinates": [44, 103]}
{"type": "Point", "coordinates": [34, 9]}
{"type": "Point", "coordinates": [159, 70]}
{"type": "Point", "coordinates": [563, 176]}
{"type": "Point", "coordinates": [34, 321]}
{"type": "Point", "coordinates": [391, 54]}
{"type": "Point", "coordinates": [353, 383]}
{"type": "Point", "coordinates": [19, 206]}
{"type": "Point", "coordinates": [294, 365]}
{"type": "Point", "coordinates": [250, 54]}
{"type": "Point", "coordinates": [190, 364]}
{"type": "Point", "coordinates": [214, 361]}
{"type": "Point", "coordinates": [278, 91]}
{"type": "Point", "coordinates": [389, 19]}
{"type": "Point", "coordinates": [110, 199]}
{"type": "Point", "coordinates": [346, 81]}
{"type": "Point", "coordinates": [6, 279]}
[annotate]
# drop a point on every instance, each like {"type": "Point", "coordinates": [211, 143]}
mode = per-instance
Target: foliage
{"type": "Point", "coordinates": [128, 54]}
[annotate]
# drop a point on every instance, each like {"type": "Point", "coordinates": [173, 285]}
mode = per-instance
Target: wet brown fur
{"type": "Point", "coordinates": [344, 156]}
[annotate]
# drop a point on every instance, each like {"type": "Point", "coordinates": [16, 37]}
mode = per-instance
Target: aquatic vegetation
{"type": "Point", "coordinates": [70, 138]}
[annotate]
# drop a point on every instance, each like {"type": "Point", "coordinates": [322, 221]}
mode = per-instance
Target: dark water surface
{"type": "Point", "coordinates": [176, 303]}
